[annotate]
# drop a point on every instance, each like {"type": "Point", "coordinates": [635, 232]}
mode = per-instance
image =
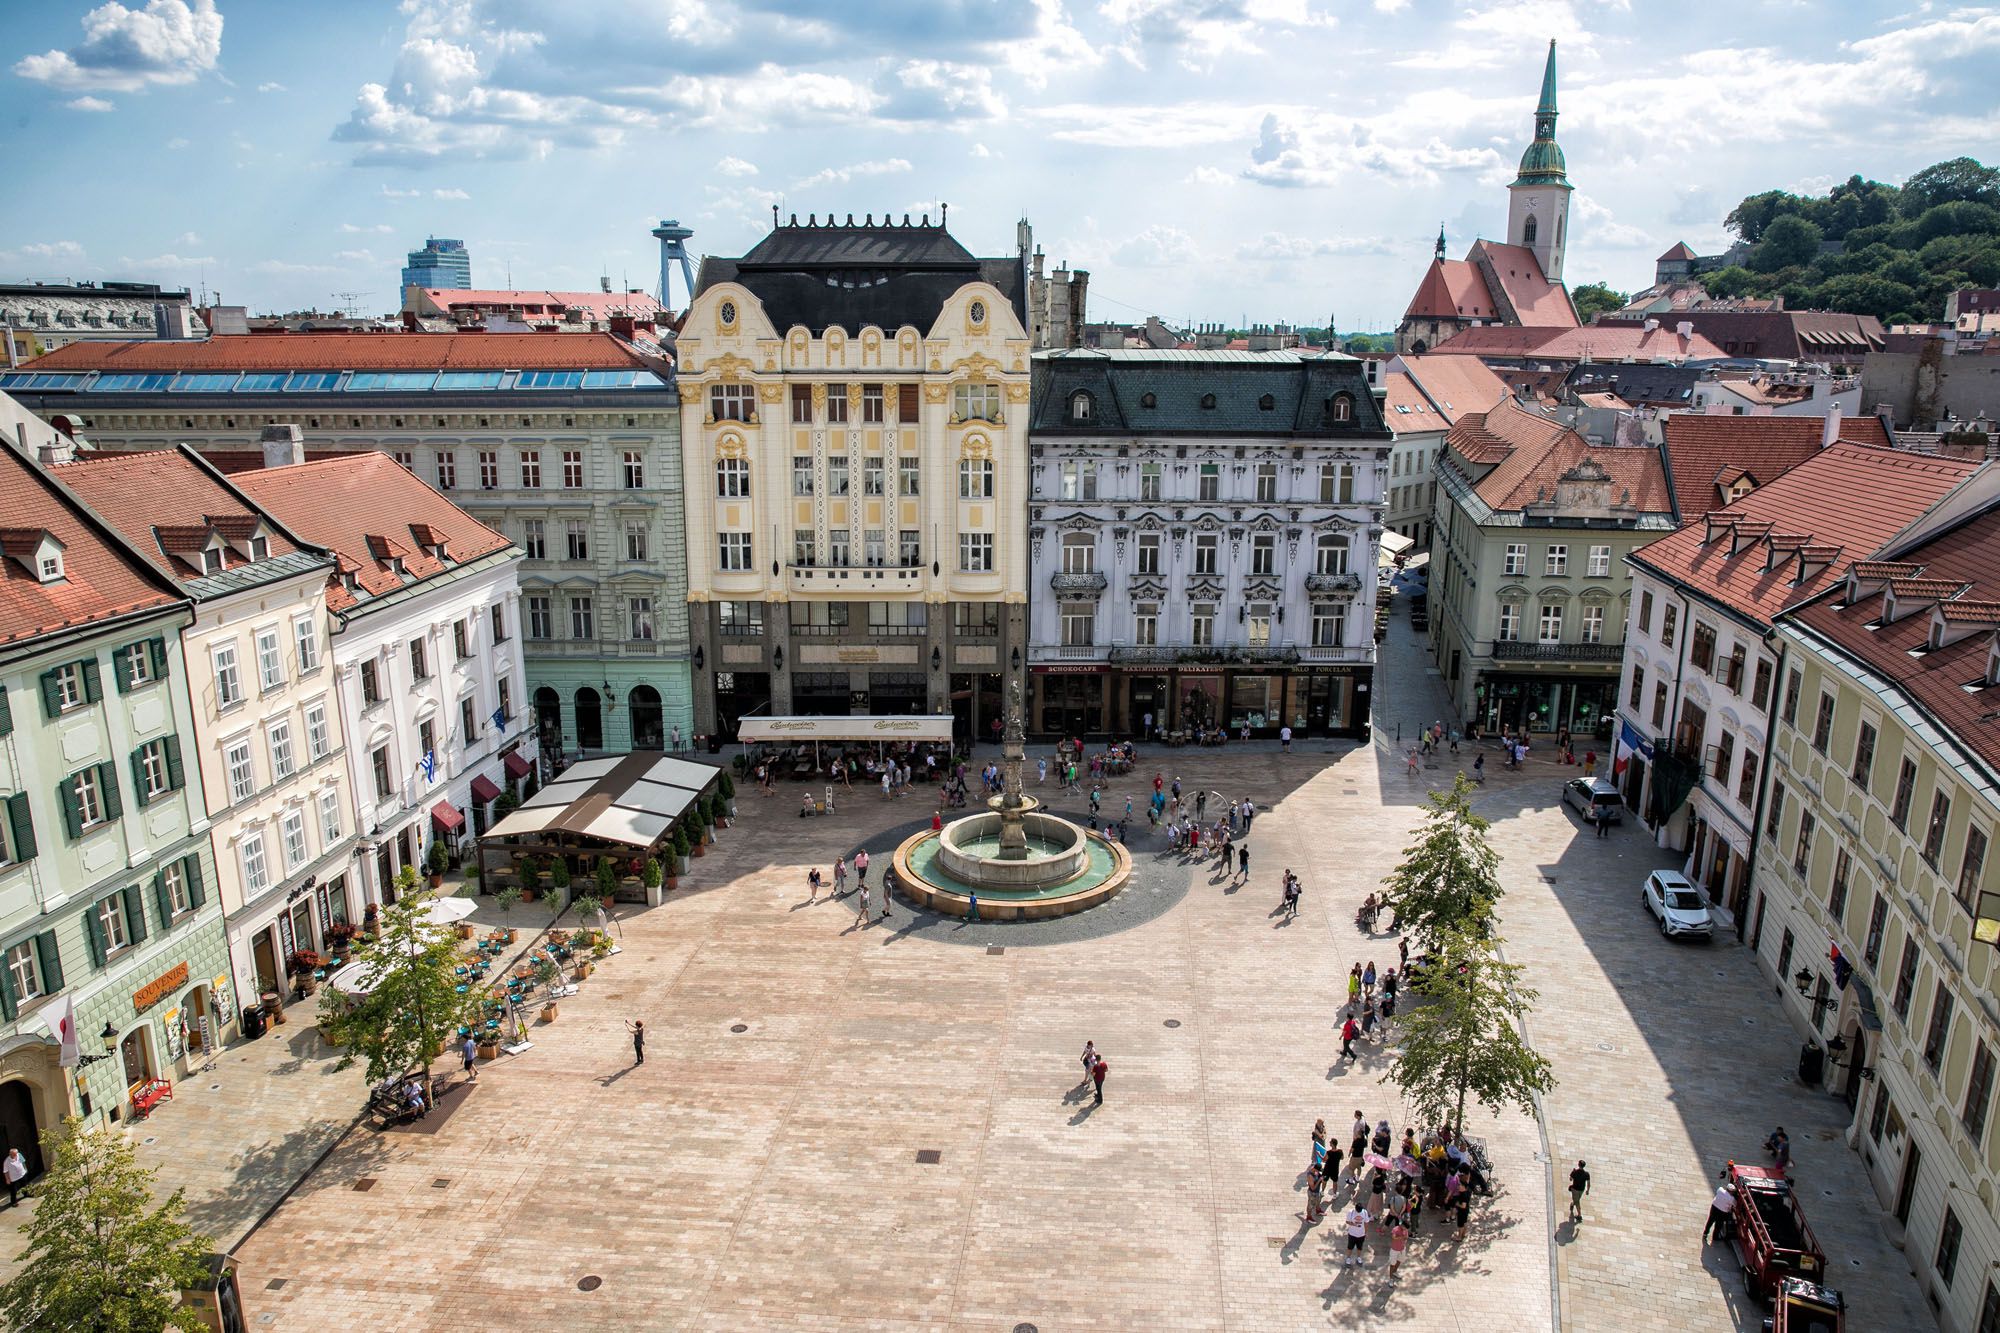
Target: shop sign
{"type": "Point", "coordinates": [153, 992]}
{"type": "Point", "coordinates": [325, 911]}
{"type": "Point", "coordinates": [1083, 669]}
{"type": "Point", "coordinates": [858, 656]}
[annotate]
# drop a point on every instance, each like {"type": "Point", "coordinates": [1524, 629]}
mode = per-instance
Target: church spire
{"type": "Point", "coordinates": [1548, 103]}
{"type": "Point", "coordinates": [1440, 245]}
{"type": "Point", "coordinates": [1542, 163]}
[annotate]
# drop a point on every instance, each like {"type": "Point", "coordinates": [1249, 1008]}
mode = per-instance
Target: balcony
{"type": "Point", "coordinates": [1071, 584]}
{"type": "Point", "coordinates": [1229, 654]}
{"type": "Point", "coordinates": [1076, 652]}
{"type": "Point", "coordinates": [1603, 654]}
{"type": "Point", "coordinates": [1333, 583]}
{"type": "Point", "coordinates": [1337, 653]}
{"type": "Point", "coordinates": [854, 578]}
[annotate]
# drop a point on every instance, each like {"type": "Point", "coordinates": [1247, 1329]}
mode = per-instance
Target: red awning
{"type": "Point", "coordinates": [517, 766]}
{"type": "Point", "coordinates": [446, 817]}
{"type": "Point", "coordinates": [484, 789]}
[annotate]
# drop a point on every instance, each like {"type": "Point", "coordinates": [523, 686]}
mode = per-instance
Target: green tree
{"type": "Point", "coordinates": [1960, 180]}
{"type": "Point", "coordinates": [1463, 1038]}
{"type": "Point", "coordinates": [1594, 299]}
{"type": "Point", "coordinates": [96, 1258]}
{"type": "Point", "coordinates": [1449, 877]}
{"type": "Point", "coordinates": [1733, 281]}
{"type": "Point", "coordinates": [1750, 218]}
{"type": "Point", "coordinates": [413, 1006]}
{"type": "Point", "coordinates": [1787, 241]}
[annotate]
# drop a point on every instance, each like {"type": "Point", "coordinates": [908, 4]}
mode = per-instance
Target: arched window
{"type": "Point", "coordinates": [1267, 402]}
{"type": "Point", "coordinates": [732, 478]}
{"type": "Point", "coordinates": [1148, 400]}
{"type": "Point", "coordinates": [1340, 408]}
{"type": "Point", "coordinates": [589, 720]}
{"type": "Point", "coordinates": [648, 727]}
{"type": "Point", "coordinates": [1330, 554]}
{"type": "Point", "coordinates": [1529, 228]}
{"type": "Point", "coordinates": [1079, 406]}
{"type": "Point", "coordinates": [548, 718]}
{"type": "Point", "coordinates": [1208, 401]}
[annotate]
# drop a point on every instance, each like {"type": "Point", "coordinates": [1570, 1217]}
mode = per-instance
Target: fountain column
{"type": "Point", "coordinates": [1013, 835]}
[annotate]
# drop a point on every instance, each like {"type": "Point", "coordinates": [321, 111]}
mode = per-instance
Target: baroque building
{"type": "Point", "coordinates": [855, 402]}
{"type": "Point", "coordinates": [1202, 532]}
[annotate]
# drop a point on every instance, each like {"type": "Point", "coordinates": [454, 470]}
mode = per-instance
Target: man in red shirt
{"type": "Point", "coordinates": [1348, 1032]}
{"type": "Point", "coordinates": [1097, 1077]}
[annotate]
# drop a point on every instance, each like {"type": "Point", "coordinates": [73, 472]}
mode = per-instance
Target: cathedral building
{"type": "Point", "coordinates": [1518, 283]}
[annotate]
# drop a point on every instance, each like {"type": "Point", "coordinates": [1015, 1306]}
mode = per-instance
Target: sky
{"type": "Point", "coordinates": [1216, 161]}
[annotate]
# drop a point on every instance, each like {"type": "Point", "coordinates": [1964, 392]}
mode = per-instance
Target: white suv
{"type": "Point", "coordinates": [1680, 906]}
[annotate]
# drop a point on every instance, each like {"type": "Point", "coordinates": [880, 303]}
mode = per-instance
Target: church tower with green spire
{"type": "Point", "coordinates": [1538, 209]}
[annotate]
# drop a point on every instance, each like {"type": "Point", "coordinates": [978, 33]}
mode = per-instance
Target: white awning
{"type": "Point", "coordinates": [525, 820]}
{"type": "Point", "coordinates": [632, 800]}
{"type": "Point", "coordinates": [921, 728]}
{"type": "Point", "coordinates": [1396, 543]}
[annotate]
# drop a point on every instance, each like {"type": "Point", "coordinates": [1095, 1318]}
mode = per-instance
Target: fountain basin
{"type": "Point", "coordinates": [1068, 869]}
{"type": "Point", "coordinates": [969, 851]}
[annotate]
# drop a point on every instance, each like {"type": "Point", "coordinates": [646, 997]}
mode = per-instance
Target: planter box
{"type": "Point", "coordinates": [487, 1050]}
{"type": "Point", "coordinates": [549, 1012]}
{"type": "Point", "coordinates": [631, 889]}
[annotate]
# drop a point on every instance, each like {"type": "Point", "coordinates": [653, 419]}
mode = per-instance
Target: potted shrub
{"type": "Point", "coordinates": [301, 964]}
{"type": "Point", "coordinates": [607, 880]}
{"type": "Point", "coordinates": [507, 897]}
{"type": "Point", "coordinates": [707, 808]}
{"type": "Point", "coordinates": [340, 940]}
{"type": "Point", "coordinates": [600, 945]}
{"type": "Point", "coordinates": [437, 862]}
{"type": "Point", "coordinates": [487, 1044]}
{"type": "Point", "coordinates": [651, 875]}
{"type": "Point", "coordinates": [545, 873]}
{"type": "Point", "coordinates": [547, 973]}
{"type": "Point", "coordinates": [725, 788]}
{"type": "Point", "coordinates": [558, 881]}
{"type": "Point", "coordinates": [678, 849]}
{"type": "Point", "coordinates": [371, 920]}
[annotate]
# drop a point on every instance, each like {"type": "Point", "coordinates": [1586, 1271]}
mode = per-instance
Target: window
{"type": "Point", "coordinates": [270, 663]}
{"type": "Point", "coordinates": [572, 463]}
{"type": "Point", "coordinates": [1149, 553]}
{"type": "Point", "coordinates": [1949, 1236]}
{"type": "Point", "coordinates": [1823, 723]}
{"type": "Point", "coordinates": [734, 551]}
{"type": "Point", "coordinates": [1556, 560]}
{"type": "Point", "coordinates": [836, 476]}
{"type": "Point", "coordinates": [305, 632]}
{"type": "Point", "coordinates": [64, 687]}
{"type": "Point", "coordinates": [732, 479]}
{"type": "Point", "coordinates": [534, 539]}
{"type": "Point", "coordinates": [540, 621]}
{"type": "Point", "coordinates": [802, 405]}
{"type": "Point", "coordinates": [1971, 865]}
{"type": "Point", "coordinates": [1509, 628]}
{"type": "Point", "coordinates": [137, 664]}
{"type": "Point", "coordinates": [1793, 681]}
{"type": "Point", "coordinates": [1938, 1036]}
{"type": "Point", "coordinates": [1206, 547]}
{"type": "Point", "coordinates": [1659, 705]}
{"type": "Point", "coordinates": [1645, 613]}
{"type": "Point", "coordinates": [639, 618]}
{"type": "Point", "coordinates": [489, 470]}
{"type": "Point", "coordinates": [1150, 474]}
{"type": "Point", "coordinates": [1079, 624]}
{"type": "Point", "coordinates": [317, 742]}
{"type": "Point", "coordinates": [635, 470]}
{"type": "Point", "coordinates": [1209, 482]}
{"type": "Point", "coordinates": [1079, 553]}
{"type": "Point", "coordinates": [1906, 981]}
{"type": "Point", "coordinates": [975, 552]}
{"type": "Point", "coordinates": [1336, 483]}
{"type": "Point", "coordinates": [1746, 785]}
{"type": "Point", "coordinates": [1732, 670]}
{"type": "Point", "coordinates": [1978, 1092]}
{"type": "Point", "coordinates": [531, 469]}
{"type": "Point", "coordinates": [447, 469]}
{"type": "Point", "coordinates": [468, 719]}
{"type": "Point", "coordinates": [1906, 788]}
{"type": "Point", "coordinates": [1934, 829]}
{"type": "Point", "coordinates": [379, 761]}
{"type": "Point", "coordinates": [805, 546]}
{"type": "Point", "coordinates": [1600, 562]}
{"type": "Point", "coordinates": [256, 872]}
{"type": "Point", "coordinates": [461, 639]}
{"type": "Point", "coordinates": [1776, 814]}
{"type": "Point", "coordinates": [1802, 850]}
{"type": "Point", "coordinates": [1669, 618]}
{"type": "Point", "coordinates": [86, 793]}
{"type": "Point", "coordinates": [1264, 553]}
{"type": "Point", "coordinates": [802, 475]}
{"type": "Point", "coordinates": [1701, 648]}
{"type": "Point", "coordinates": [1329, 554]}
{"type": "Point", "coordinates": [836, 405]}
{"type": "Point", "coordinates": [1258, 622]}
{"type": "Point", "coordinates": [499, 623]}
{"type": "Point", "coordinates": [1878, 916]}
{"type": "Point", "coordinates": [1760, 693]}
{"type": "Point", "coordinates": [1329, 627]}
{"type": "Point", "coordinates": [154, 776]}
{"type": "Point", "coordinates": [1864, 756]}
{"type": "Point", "coordinates": [976, 402]}
{"type": "Point", "coordinates": [405, 459]}
{"type": "Point", "coordinates": [909, 476]}
{"type": "Point", "coordinates": [1638, 690]}
{"type": "Point", "coordinates": [635, 540]}
{"type": "Point", "coordinates": [871, 405]}
{"type": "Point", "coordinates": [1517, 558]}
{"type": "Point", "coordinates": [283, 763]}
{"type": "Point", "coordinates": [1267, 483]}
{"type": "Point", "coordinates": [1201, 625]}
{"type": "Point", "coordinates": [110, 914]}
{"type": "Point", "coordinates": [871, 476]}
{"type": "Point", "coordinates": [1725, 756]}
{"type": "Point", "coordinates": [737, 402]}
{"type": "Point", "coordinates": [329, 819]}
{"type": "Point", "coordinates": [582, 625]}
{"type": "Point", "coordinates": [420, 668]}
{"type": "Point", "coordinates": [975, 479]}
{"type": "Point", "coordinates": [24, 969]}
{"type": "Point", "coordinates": [427, 740]}
{"type": "Point", "coordinates": [1550, 626]}
{"type": "Point", "coordinates": [1146, 624]}
{"type": "Point", "coordinates": [293, 830]}
{"type": "Point", "coordinates": [212, 560]}
{"type": "Point", "coordinates": [576, 537]}
{"type": "Point", "coordinates": [1079, 406]}
{"type": "Point", "coordinates": [1593, 624]}
{"type": "Point", "coordinates": [505, 688]}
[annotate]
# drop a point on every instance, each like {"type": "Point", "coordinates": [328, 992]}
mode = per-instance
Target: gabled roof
{"type": "Point", "coordinates": [1297, 385]}
{"type": "Point", "coordinates": [156, 500]}
{"type": "Point", "coordinates": [1702, 450]}
{"type": "Point", "coordinates": [1848, 501]}
{"type": "Point", "coordinates": [867, 245]}
{"type": "Point", "coordinates": [1485, 438]}
{"type": "Point", "coordinates": [351, 351]}
{"type": "Point", "coordinates": [1451, 289]}
{"type": "Point", "coordinates": [1531, 471]}
{"type": "Point", "coordinates": [1535, 299]}
{"type": "Point", "coordinates": [101, 579]}
{"type": "Point", "coordinates": [369, 510]}
{"type": "Point", "coordinates": [1680, 251]}
{"type": "Point", "coordinates": [1455, 385]}
{"type": "Point", "coordinates": [1592, 342]}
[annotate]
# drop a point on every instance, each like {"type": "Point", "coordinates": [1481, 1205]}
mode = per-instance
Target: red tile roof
{"type": "Point", "coordinates": [352, 351]}
{"type": "Point", "coordinates": [1843, 504]}
{"type": "Point", "coordinates": [1592, 342]}
{"type": "Point", "coordinates": [1535, 299]}
{"type": "Point", "coordinates": [101, 578]}
{"type": "Point", "coordinates": [1455, 384]}
{"type": "Point", "coordinates": [1530, 454]}
{"type": "Point", "coordinates": [1680, 251]}
{"type": "Point", "coordinates": [597, 307]}
{"type": "Point", "coordinates": [1945, 682]}
{"type": "Point", "coordinates": [156, 500]}
{"type": "Point", "coordinates": [366, 508]}
{"type": "Point", "coordinates": [1708, 453]}
{"type": "Point", "coordinates": [1451, 289]}
{"type": "Point", "coordinates": [1492, 436]}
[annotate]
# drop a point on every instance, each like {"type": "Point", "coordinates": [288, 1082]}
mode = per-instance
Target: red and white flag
{"type": "Point", "coordinates": [65, 1026]}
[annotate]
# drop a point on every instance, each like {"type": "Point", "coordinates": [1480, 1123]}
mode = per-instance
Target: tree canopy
{"type": "Point", "coordinates": [1464, 1040]}
{"type": "Point", "coordinates": [1868, 248]}
{"type": "Point", "coordinates": [413, 1007]}
{"type": "Point", "coordinates": [1593, 299]}
{"type": "Point", "coordinates": [1449, 877]}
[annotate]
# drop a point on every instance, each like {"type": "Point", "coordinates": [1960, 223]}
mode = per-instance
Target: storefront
{"type": "Point", "coordinates": [1583, 704]}
{"type": "Point", "coordinates": [1069, 700]}
{"type": "Point", "coordinates": [1089, 700]}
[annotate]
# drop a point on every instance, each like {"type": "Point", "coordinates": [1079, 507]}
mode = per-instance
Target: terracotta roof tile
{"type": "Point", "coordinates": [1886, 569]}
{"type": "Point", "coordinates": [1451, 289]}
{"type": "Point", "coordinates": [1530, 453]}
{"type": "Point", "coordinates": [1925, 590]}
{"type": "Point", "coordinates": [154, 498]}
{"type": "Point", "coordinates": [345, 503]}
{"type": "Point", "coordinates": [1701, 449]}
{"type": "Point", "coordinates": [352, 351]}
{"type": "Point", "coordinates": [1964, 610]}
{"type": "Point", "coordinates": [1535, 299]}
{"type": "Point", "coordinates": [1455, 385]}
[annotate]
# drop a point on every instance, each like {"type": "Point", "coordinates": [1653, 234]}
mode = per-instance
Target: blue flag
{"type": "Point", "coordinates": [430, 765]}
{"type": "Point", "coordinates": [499, 717]}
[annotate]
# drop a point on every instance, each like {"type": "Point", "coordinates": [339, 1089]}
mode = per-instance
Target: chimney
{"type": "Point", "coordinates": [624, 326]}
{"type": "Point", "coordinates": [284, 445]}
{"type": "Point", "coordinates": [604, 283]}
{"type": "Point", "coordinates": [1832, 431]}
{"type": "Point", "coordinates": [1651, 325]}
{"type": "Point", "coordinates": [13, 352]}
{"type": "Point", "coordinates": [1685, 328]}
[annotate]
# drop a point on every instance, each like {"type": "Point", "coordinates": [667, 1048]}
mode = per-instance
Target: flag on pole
{"type": "Point", "coordinates": [65, 1025]}
{"type": "Point", "coordinates": [500, 717]}
{"type": "Point", "coordinates": [430, 765]}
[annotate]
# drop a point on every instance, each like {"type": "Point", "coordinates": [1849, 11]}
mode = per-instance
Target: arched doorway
{"type": "Point", "coordinates": [135, 1053]}
{"type": "Point", "coordinates": [589, 720]}
{"type": "Point", "coordinates": [648, 724]}
{"type": "Point", "coordinates": [548, 719]}
{"type": "Point", "coordinates": [18, 1126]}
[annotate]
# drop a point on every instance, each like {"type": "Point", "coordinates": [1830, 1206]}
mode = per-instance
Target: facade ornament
{"type": "Point", "coordinates": [819, 399]}
{"type": "Point", "coordinates": [1292, 545]}
{"type": "Point", "coordinates": [770, 393]}
{"type": "Point", "coordinates": [1235, 543]}
{"type": "Point", "coordinates": [1017, 392]}
{"type": "Point", "coordinates": [854, 403]}
{"type": "Point", "coordinates": [936, 393]}
{"type": "Point", "coordinates": [1180, 540]}
{"type": "Point", "coordinates": [1118, 538]}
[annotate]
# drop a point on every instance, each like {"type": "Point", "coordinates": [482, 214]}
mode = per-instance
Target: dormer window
{"type": "Point", "coordinates": [50, 567]}
{"type": "Point", "coordinates": [1340, 409]}
{"type": "Point", "coordinates": [1267, 402]}
{"type": "Point", "coordinates": [1079, 406]}
{"type": "Point", "coordinates": [260, 548]}
{"type": "Point", "coordinates": [1993, 661]}
{"type": "Point", "coordinates": [36, 550]}
{"type": "Point", "coordinates": [1208, 402]}
{"type": "Point", "coordinates": [1148, 400]}
{"type": "Point", "coordinates": [211, 560]}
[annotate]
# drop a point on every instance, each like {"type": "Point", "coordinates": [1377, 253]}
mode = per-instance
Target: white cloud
{"type": "Point", "coordinates": [1282, 248]}
{"type": "Point", "coordinates": [389, 192]}
{"type": "Point", "coordinates": [1158, 246]}
{"type": "Point", "coordinates": [271, 88]}
{"type": "Point", "coordinates": [286, 266]}
{"type": "Point", "coordinates": [356, 256]}
{"type": "Point", "coordinates": [735, 166]}
{"type": "Point", "coordinates": [125, 50]}
{"type": "Point", "coordinates": [1594, 222]}
{"type": "Point", "coordinates": [177, 143]}
{"type": "Point", "coordinates": [1206, 175]}
{"type": "Point", "coordinates": [44, 250]}
{"type": "Point", "coordinates": [1307, 152]}
{"type": "Point", "coordinates": [450, 194]}
{"type": "Point", "coordinates": [367, 229]}
{"type": "Point", "coordinates": [942, 90]}
{"type": "Point", "coordinates": [167, 261]}
{"type": "Point", "coordinates": [894, 166]}
{"type": "Point", "coordinates": [87, 103]}
{"type": "Point", "coordinates": [981, 150]}
{"type": "Point", "coordinates": [187, 238]}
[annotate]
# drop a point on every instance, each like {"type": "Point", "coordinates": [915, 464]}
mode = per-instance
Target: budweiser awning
{"type": "Point", "coordinates": [935, 729]}
{"type": "Point", "coordinates": [446, 817]}
{"type": "Point", "coordinates": [484, 789]}
{"type": "Point", "coordinates": [517, 765]}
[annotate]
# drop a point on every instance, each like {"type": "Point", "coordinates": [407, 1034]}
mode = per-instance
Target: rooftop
{"type": "Point", "coordinates": [350, 351]}
{"type": "Point", "coordinates": [1529, 460]}
{"type": "Point", "coordinates": [1708, 454]}
{"type": "Point", "coordinates": [1281, 393]}
{"type": "Point", "coordinates": [1592, 342]}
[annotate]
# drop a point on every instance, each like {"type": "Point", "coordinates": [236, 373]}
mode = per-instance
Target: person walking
{"type": "Point", "coordinates": [675, 737]}
{"type": "Point", "coordinates": [840, 877]}
{"type": "Point", "coordinates": [1097, 1073]}
{"type": "Point", "coordinates": [1284, 740]}
{"type": "Point", "coordinates": [973, 902]}
{"type": "Point", "coordinates": [1368, 981]}
{"type": "Point", "coordinates": [1399, 1244]}
{"type": "Point", "coordinates": [1243, 863]}
{"type": "Point", "coordinates": [1357, 1147]}
{"type": "Point", "coordinates": [1721, 1213]}
{"type": "Point", "coordinates": [1089, 1062]}
{"type": "Point", "coordinates": [1041, 771]}
{"type": "Point", "coordinates": [1354, 985]}
{"type": "Point", "coordinates": [1579, 1185]}
{"type": "Point", "coordinates": [1589, 764]}
{"type": "Point", "coordinates": [1357, 1222]}
{"type": "Point", "coordinates": [812, 885]}
{"type": "Point", "coordinates": [1330, 1173]}
{"type": "Point", "coordinates": [1461, 1210]}
{"type": "Point", "coordinates": [1479, 770]}
{"type": "Point", "coordinates": [637, 1027]}
{"type": "Point", "coordinates": [16, 1170]}
{"type": "Point", "coordinates": [1349, 1030]}
{"type": "Point", "coordinates": [1603, 821]}
{"type": "Point", "coordinates": [861, 916]}
{"type": "Point", "coordinates": [468, 1051]}
{"type": "Point", "coordinates": [861, 867]}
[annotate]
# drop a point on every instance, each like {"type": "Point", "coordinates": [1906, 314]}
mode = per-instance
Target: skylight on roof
{"type": "Point", "coordinates": [469, 379]}
{"type": "Point", "coordinates": [310, 382]}
{"type": "Point", "coordinates": [209, 383]}
{"type": "Point", "coordinates": [550, 379]}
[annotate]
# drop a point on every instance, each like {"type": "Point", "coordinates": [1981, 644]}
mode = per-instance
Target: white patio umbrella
{"type": "Point", "coordinates": [353, 979]}
{"type": "Point", "coordinates": [446, 911]}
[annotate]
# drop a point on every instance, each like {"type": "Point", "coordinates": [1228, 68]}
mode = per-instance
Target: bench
{"type": "Point", "coordinates": [146, 1096]}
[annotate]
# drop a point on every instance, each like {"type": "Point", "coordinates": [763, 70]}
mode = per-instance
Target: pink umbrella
{"type": "Point", "coordinates": [1379, 1162]}
{"type": "Point", "coordinates": [1409, 1165]}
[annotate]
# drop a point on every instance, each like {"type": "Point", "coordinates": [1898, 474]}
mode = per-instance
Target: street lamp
{"type": "Point", "coordinates": [1835, 1046]}
{"type": "Point", "coordinates": [1804, 979]}
{"type": "Point", "coordinates": [110, 1039]}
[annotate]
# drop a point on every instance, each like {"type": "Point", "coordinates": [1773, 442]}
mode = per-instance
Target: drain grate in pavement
{"type": "Point", "coordinates": [996, 948]}
{"type": "Point", "coordinates": [441, 1182]}
{"type": "Point", "coordinates": [591, 1283]}
{"type": "Point", "coordinates": [363, 1185]}
{"type": "Point", "coordinates": [215, 1087]}
{"type": "Point", "coordinates": [1173, 1022]}
{"type": "Point", "coordinates": [929, 1156]}
{"type": "Point", "coordinates": [149, 1141]}
{"type": "Point", "coordinates": [739, 1027]}
{"type": "Point", "coordinates": [275, 1284]}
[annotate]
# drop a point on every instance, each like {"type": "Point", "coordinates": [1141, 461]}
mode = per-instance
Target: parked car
{"type": "Point", "coordinates": [1680, 906]}
{"type": "Point", "coordinates": [1592, 796]}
